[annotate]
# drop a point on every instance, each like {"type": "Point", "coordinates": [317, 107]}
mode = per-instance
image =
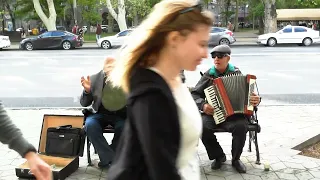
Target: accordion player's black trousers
{"type": "Point", "coordinates": [237, 125]}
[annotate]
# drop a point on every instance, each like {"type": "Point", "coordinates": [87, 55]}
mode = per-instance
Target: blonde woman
{"type": "Point", "coordinates": [161, 133]}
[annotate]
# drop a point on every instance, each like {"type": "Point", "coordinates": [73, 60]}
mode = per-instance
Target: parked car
{"type": "Point", "coordinates": [52, 40]}
{"type": "Point", "coordinates": [290, 35]}
{"type": "Point", "coordinates": [4, 42]}
{"type": "Point", "coordinates": [116, 40]}
{"type": "Point", "coordinates": [219, 35]}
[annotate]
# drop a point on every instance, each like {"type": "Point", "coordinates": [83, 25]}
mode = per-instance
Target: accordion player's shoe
{"type": "Point", "coordinates": [239, 166]}
{"type": "Point", "coordinates": [216, 164]}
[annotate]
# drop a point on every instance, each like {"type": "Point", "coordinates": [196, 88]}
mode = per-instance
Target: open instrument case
{"type": "Point", "coordinates": [62, 167]}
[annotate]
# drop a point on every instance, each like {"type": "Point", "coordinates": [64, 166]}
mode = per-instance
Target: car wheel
{"type": "Point", "coordinates": [307, 41]}
{"type": "Point", "coordinates": [66, 45]}
{"type": "Point", "coordinates": [105, 45]}
{"type": "Point", "coordinates": [224, 41]}
{"type": "Point", "coordinates": [272, 42]}
{"type": "Point", "coordinates": [28, 46]}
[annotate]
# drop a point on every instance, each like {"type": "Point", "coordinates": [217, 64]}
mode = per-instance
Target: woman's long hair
{"type": "Point", "coordinates": [149, 38]}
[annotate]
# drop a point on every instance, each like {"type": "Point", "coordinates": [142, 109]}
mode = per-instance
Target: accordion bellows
{"type": "Point", "coordinates": [230, 95]}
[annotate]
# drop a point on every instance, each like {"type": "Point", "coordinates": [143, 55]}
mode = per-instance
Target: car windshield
{"type": "Point", "coordinates": [69, 33]}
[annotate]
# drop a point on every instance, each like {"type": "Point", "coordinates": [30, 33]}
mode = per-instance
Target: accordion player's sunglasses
{"type": "Point", "coordinates": [219, 55]}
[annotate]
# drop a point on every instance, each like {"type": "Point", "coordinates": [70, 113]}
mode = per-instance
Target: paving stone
{"type": "Point", "coordinates": [234, 177]}
{"type": "Point", "coordinates": [5, 162]}
{"type": "Point", "coordinates": [278, 166]}
{"type": "Point", "coordinates": [315, 174]}
{"type": "Point", "coordinates": [94, 171]}
{"type": "Point", "coordinates": [85, 176]}
{"type": "Point", "coordinates": [257, 166]}
{"type": "Point", "coordinates": [274, 143]}
{"type": "Point", "coordinates": [304, 175]}
{"type": "Point", "coordinates": [269, 176]}
{"type": "Point", "coordinates": [294, 165]}
{"type": "Point", "coordinates": [257, 172]}
{"type": "Point", "coordinates": [212, 177]}
{"type": "Point", "coordinates": [250, 177]}
{"type": "Point", "coordinates": [291, 171]}
{"type": "Point", "coordinates": [310, 164]}
{"type": "Point", "coordinates": [286, 176]}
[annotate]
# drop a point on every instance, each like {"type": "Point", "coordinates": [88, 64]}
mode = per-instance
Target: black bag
{"type": "Point", "coordinates": [64, 141]}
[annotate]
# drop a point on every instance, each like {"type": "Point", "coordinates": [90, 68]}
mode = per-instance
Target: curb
{"type": "Point", "coordinates": [98, 48]}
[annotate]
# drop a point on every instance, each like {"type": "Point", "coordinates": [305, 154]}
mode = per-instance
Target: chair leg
{"type": "Point", "coordinates": [88, 152]}
{"type": "Point", "coordinates": [250, 139]}
{"type": "Point", "coordinates": [257, 147]}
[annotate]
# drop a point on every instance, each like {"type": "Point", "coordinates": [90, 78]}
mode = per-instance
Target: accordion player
{"type": "Point", "coordinates": [230, 95]}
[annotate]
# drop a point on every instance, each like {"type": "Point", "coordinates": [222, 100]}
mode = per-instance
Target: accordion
{"type": "Point", "coordinates": [230, 95]}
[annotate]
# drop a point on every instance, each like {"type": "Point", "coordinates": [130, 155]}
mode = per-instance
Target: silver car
{"type": "Point", "coordinates": [219, 35]}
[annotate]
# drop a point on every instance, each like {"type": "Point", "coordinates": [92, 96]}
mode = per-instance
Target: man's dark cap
{"type": "Point", "coordinates": [223, 49]}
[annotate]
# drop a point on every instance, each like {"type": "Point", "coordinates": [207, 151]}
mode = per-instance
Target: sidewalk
{"type": "Point", "coordinates": [283, 127]}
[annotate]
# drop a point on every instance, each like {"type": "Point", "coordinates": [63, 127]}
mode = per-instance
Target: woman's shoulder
{"type": "Point", "coordinates": [145, 80]}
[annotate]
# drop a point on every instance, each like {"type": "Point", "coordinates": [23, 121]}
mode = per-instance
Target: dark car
{"type": "Point", "coordinates": [52, 40]}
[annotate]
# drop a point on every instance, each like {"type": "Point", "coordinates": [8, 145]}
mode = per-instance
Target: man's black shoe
{"type": "Point", "coordinates": [239, 166]}
{"type": "Point", "coordinates": [104, 166]}
{"type": "Point", "coordinates": [216, 164]}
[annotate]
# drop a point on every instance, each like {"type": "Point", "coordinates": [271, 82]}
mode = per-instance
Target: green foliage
{"type": "Point", "coordinates": [297, 4]}
{"type": "Point", "coordinates": [227, 13]}
{"type": "Point", "coordinates": [140, 7]}
{"type": "Point", "coordinates": [308, 3]}
{"type": "Point", "coordinates": [25, 9]}
{"type": "Point", "coordinates": [258, 10]}
{"type": "Point", "coordinates": [90, 11]}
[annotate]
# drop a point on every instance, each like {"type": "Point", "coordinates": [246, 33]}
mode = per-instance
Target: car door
{"type": "Point", "coordinates": [299, 34]}
{"type": "Point", "coordinates": [286, 36]}
{"type": "Point", "coordinates": [56, 39]}
{"type": "Point", "coordinates": [121, 37]}
{"type": "Point", "coordinates": [215, 34]}
{"type": "Point", "coordinates": [43, 41]}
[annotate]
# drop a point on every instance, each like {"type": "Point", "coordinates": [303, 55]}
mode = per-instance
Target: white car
{"type": "Point", "coordinates": [116, 40]}
{"type": "Point", "coordinates": [4, 42]}
{"type": "Point", "coordinates": [290, 35]}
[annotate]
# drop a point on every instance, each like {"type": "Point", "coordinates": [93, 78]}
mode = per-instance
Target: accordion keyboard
{"type": "Point", "coordinates": [212, 99]}
{"type": "Point", "coordinates": [252, 84]}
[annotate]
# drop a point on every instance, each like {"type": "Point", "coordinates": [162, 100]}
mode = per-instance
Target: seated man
{"type": "Point", "coordinates": [100, 93]}
{"type": "Point", "coordinates": [237, 124]}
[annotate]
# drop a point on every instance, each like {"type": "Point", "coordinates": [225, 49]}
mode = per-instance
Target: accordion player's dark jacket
{"type": "Point", "coordinates": [206, 80]}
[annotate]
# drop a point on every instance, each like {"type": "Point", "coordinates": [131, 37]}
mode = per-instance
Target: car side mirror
{"type": "Point", "coordinates": [39, 36]}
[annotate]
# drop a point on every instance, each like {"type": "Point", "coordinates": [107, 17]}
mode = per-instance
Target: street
{"type": "Point", "coordinates": [51, 78]}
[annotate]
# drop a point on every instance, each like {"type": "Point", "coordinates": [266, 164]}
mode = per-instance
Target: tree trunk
{"type": "Point", "coordinates": [121, 16]}
{"type": "Point", "coordinates": [135, 19]}
{"type": "Point", "coordinates": [270, 16]}
{"type": "Point", "coordinates": [227, 13]}
{"type": "Point", "coordinates": [49, 22]}
{"type": "Point", "coordinates": [236, 18]}
{"type": "Point", "coordinates": [261, 25]}
{"type": "Point", "coordinates": [11, 13]}
{"type": "Point", "coordinates": [110, 23]}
